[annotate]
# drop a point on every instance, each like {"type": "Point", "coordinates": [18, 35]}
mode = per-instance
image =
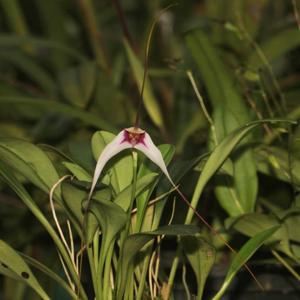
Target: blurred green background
{"type": "Point", "coordinates": [69, 68]}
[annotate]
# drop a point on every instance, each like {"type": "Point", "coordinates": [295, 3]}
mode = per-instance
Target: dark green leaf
{"type": "Point", "coordinates": [10, 259]}
{"type": "Point", "coordinates": [201, 256]}
{"type": "Point", "coordinates": [243, 256]}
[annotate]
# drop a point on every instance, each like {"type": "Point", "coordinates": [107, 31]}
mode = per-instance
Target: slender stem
{"type": "Point", "coordinates": [123, 22]}
{"type": "Point", "coordinates": [261, 55]}
{"type": "Point", "coordinates": [96, 284]}
{"type": "Point", "coordinates": [143, 278]}
{"type": "Point", "coordinates": [137, 120]}
{"type": "Point", "coordinates": [172, 274]}
{"type": "Point", "coordinates": [107, 270]}
{"type": "Point", "coordinates": [286, 264]}
{"type": "Point", "coordinates": [185, 285]}
{"type": "Point", "coordinates": [96, 248]}
{"type": "Point", "coordinates": [202, 104]}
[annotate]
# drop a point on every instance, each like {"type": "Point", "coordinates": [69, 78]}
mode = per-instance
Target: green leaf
{"type": "Point", "coordinates": [151, 103]}
{"type": "Point", "coordinates": [243, 256]}
{"type": "Point", "coordinates": [74, 200]}
{"type": "Point", "coordinates": [80, 173]}
{"type": "Point", "coordinates": [51, 274]}
{"type": "Point", "coordinates": [111, 218]}
{"type": "Point", "coordinates": [229, 113]}
{"type": "Point", "coordinates": [135, 242]}
{"type": "Point", "coordinates": [142, 184]}
{"type": "Point", "coordinates": [278, 163]}
{"type": "Point", "coordinates": [46, 105]}
{"type": "Point", "coordinates": [222, 152]}
{"type": "Point", "coordinates": [201, 256]}
{"type": "Point", "coordinates": [10, 259]}
{"type": "Point", "coordinates": [276, 46]}
{"type": "Point", "coordinates": [253, 223]}
{"type": "Point", "coordinates": [30, 161]}
{"type": "Point", "coordinates": [122, 165]}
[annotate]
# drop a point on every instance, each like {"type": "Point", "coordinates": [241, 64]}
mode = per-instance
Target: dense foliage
{"type": "Point", "coordinates": [221, 96]}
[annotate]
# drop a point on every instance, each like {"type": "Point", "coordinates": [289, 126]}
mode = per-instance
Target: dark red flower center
{"type": "Point", "coordinates": [134, 136]}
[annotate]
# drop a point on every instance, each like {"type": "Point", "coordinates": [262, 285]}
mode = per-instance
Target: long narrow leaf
{"type": "Point", "coordinates": [243, 256]}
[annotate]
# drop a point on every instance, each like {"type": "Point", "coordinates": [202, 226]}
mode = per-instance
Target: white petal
{"type": "Point", "coordinates": [153, 153]}
{"type": "Point", "coordinates": [113, 148]}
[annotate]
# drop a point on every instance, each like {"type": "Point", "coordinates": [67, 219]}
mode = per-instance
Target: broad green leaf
{"type": "Point", "coordinates": [48, 272]}
{"type": "Point", "coordinates": [142, 184]}
{"type": "Point", "coordinates": [46, 105]}
{"type": "Point", "coordinates": [80, 173]}
{"type": "Point", "coordinates": [10, 259]}
{"type": "Point", "coordinates": [74, 200]}
{"type": "Point", "coordinates": [229, 113]}
{"type": "Point", "coordinates": [81, 153]}
{"type": "Point", "coordinates": [18, 188]}
{"type": "Point", "coordinates": [253, 223]}
{"type": "Point", "coordinates": [292, 223]}
{"type": "Point", "coordinates": [223, 150]}
{"type": "Point", "coordinates": [201, 256]}
{"type": "Point", "coordinates": [30, 161]}
{"type": "Point", "coordinates": [77, 83]}
{"type": "Point", "coordinates": [134, 243]}
{"type": "Point", "coordinates": [151, 103]}
{"type": "Point", "coordinates": [278, 163]}
{"type": "Point", "coordinates": [111, 218]}
{"type": "Point", "coordinates": [122, 165]}
{"type": "Point", "coordinates": [244, 255]}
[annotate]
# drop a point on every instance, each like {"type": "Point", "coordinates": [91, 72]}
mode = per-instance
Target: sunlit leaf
{"type": "Point", "coordinates": [30, 161]}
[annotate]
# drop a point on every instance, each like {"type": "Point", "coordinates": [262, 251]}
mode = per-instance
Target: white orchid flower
{"type": "Point", "coordinates": [135, 138]}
